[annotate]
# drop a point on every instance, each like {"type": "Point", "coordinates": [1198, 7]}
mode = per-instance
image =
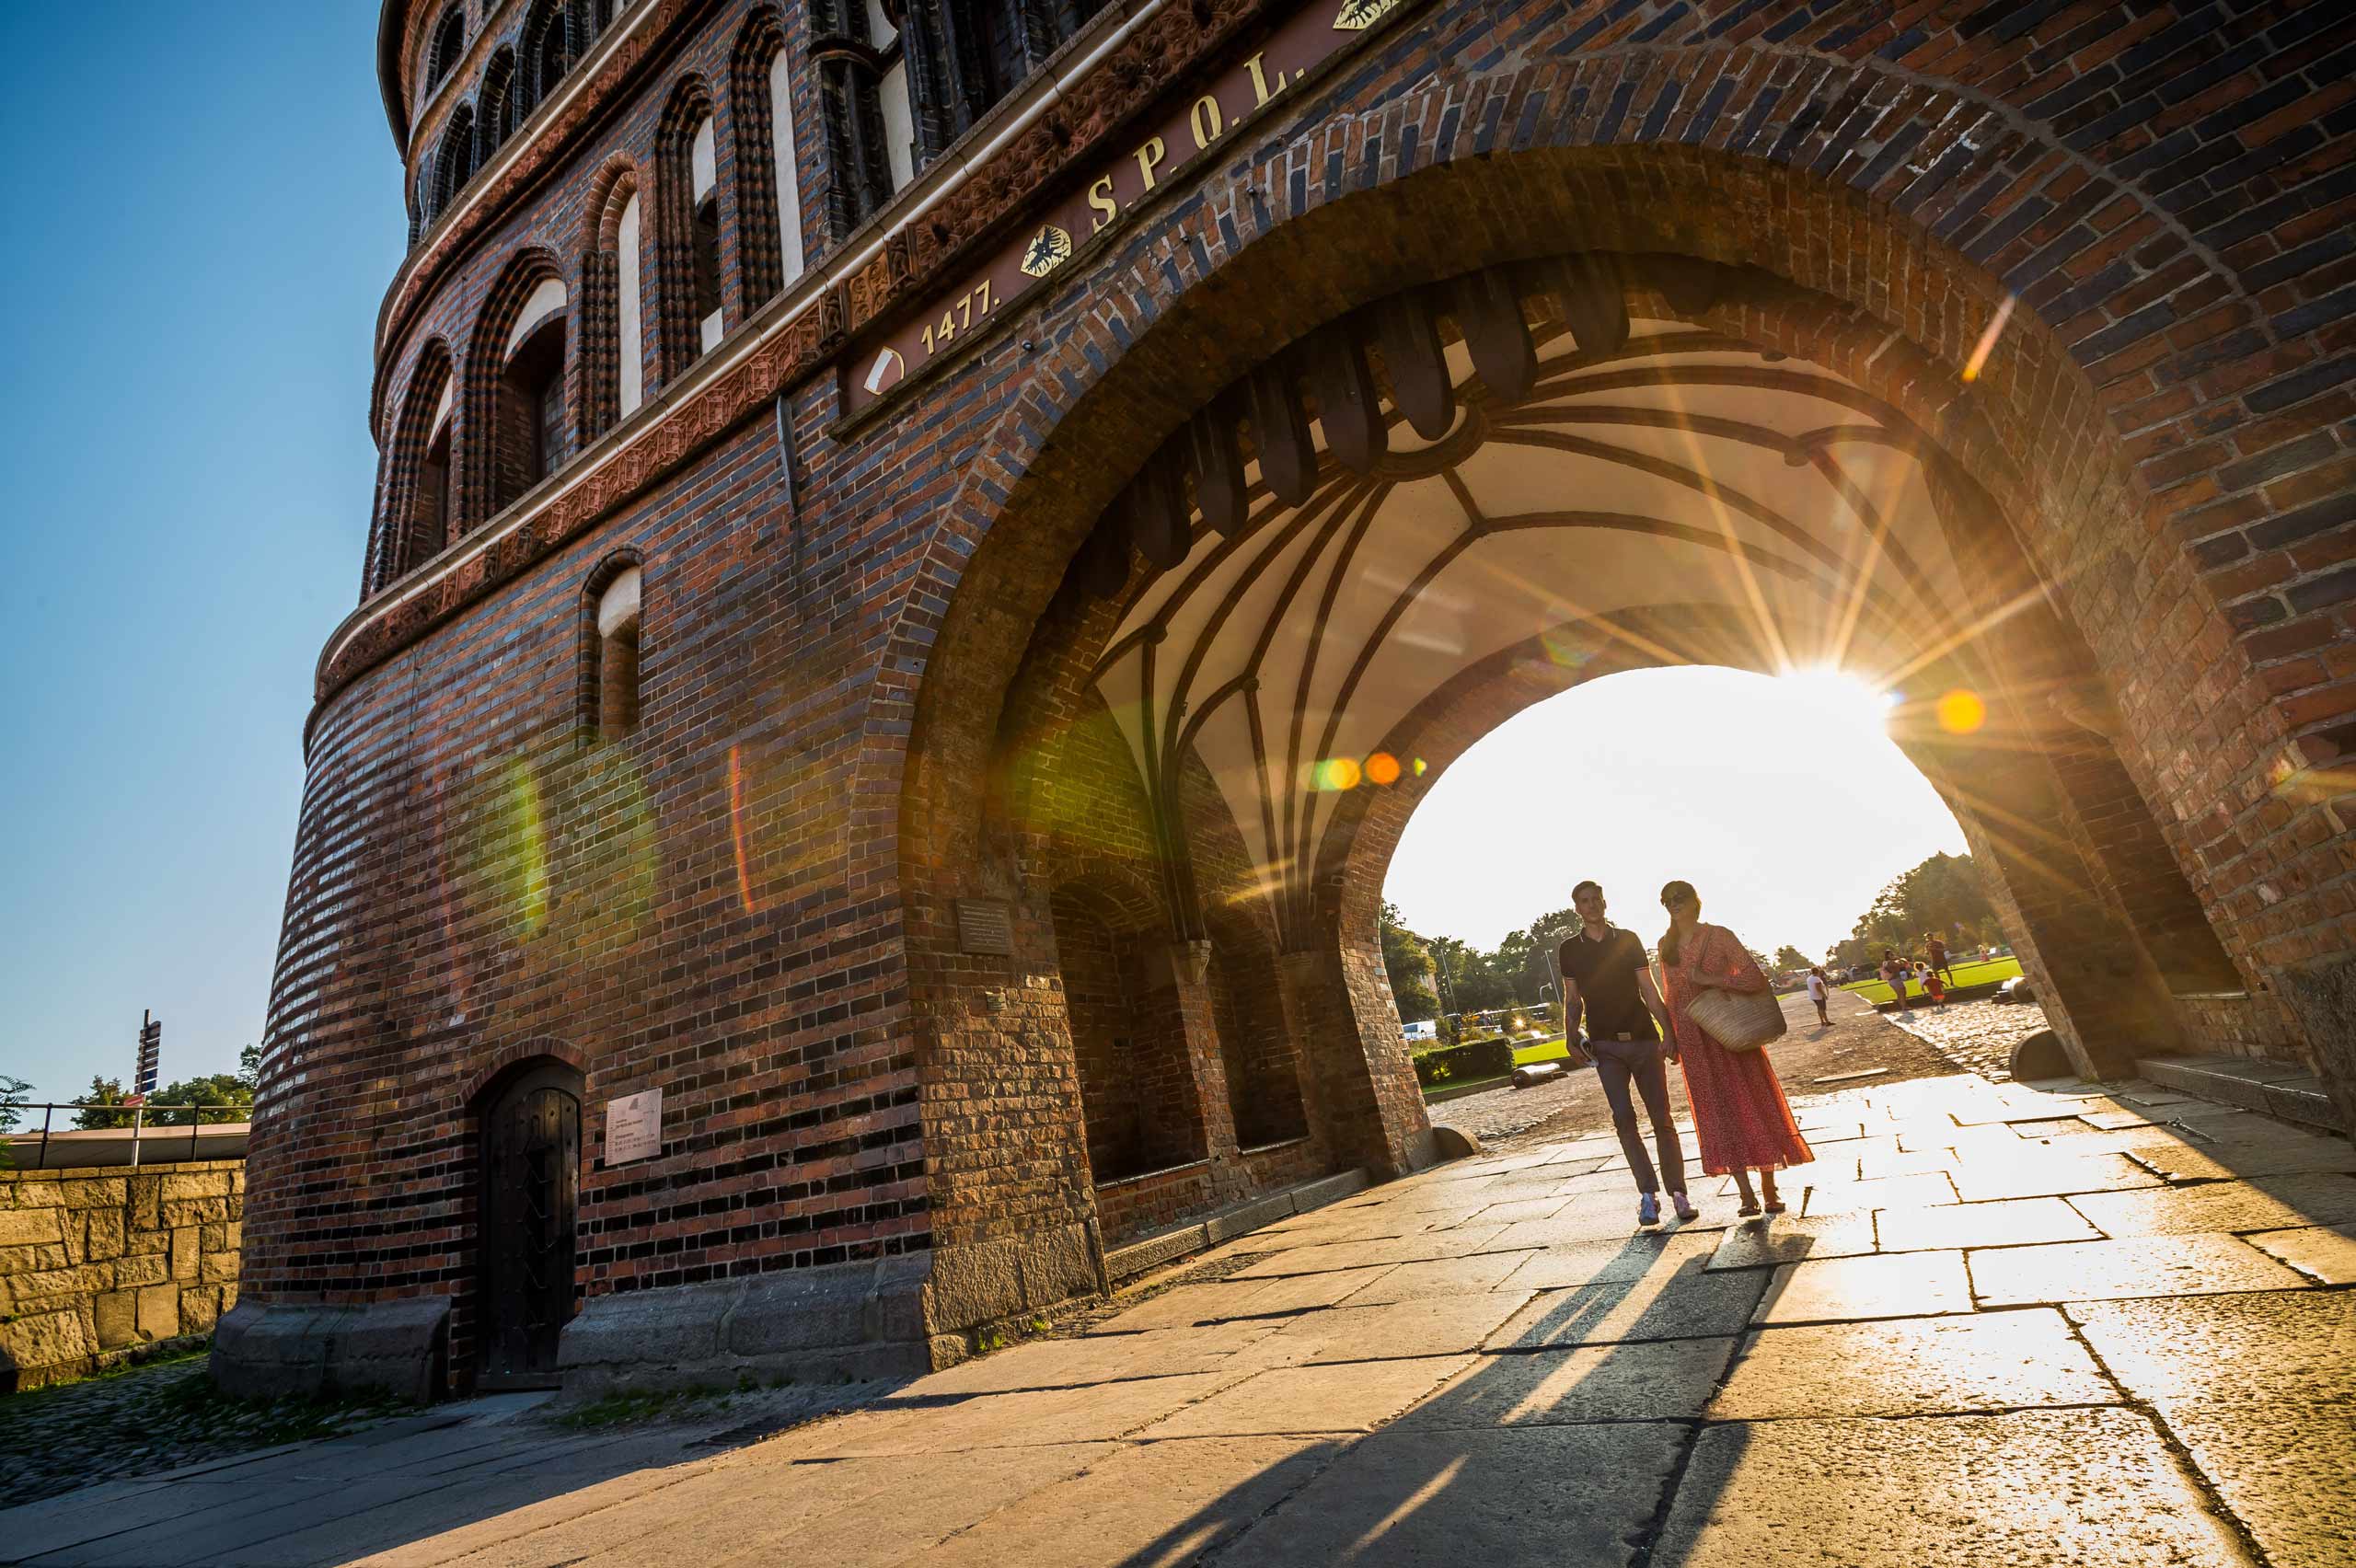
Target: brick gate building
{"type": "Point", "coordinates": [925, 553]}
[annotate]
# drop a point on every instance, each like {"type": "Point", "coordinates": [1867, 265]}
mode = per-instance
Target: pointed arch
{"type": "Point", "coordinates": [768, 206]}
{"type": "Point", "coordinates": [685, 237]}
{"type": "Point", "coordinates": [613, 351]}
{"type": "Point", "coordinates": [496, 110]}
{"type": "Point", "coordinates": [413, 522]}
{"type": "Point", "coordinates": [497, 458]}
{"type": "Point", "coordinates": [453, 162]}
{"type": "Point", "coordinates": [546, 50]}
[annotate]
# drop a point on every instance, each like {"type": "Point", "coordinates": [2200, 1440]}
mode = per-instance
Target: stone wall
{"type": "Point", "coordinates": [94, 1263]}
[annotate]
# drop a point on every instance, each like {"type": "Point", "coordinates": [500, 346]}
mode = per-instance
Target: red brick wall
{"type": "Point", "coordinates": [750, 902]}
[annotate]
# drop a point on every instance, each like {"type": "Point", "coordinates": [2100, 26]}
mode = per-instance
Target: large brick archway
{"type": "Point", "coordinates": [2039, 449]}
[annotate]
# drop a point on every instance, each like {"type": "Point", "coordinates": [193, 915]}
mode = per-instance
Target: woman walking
{"type": "Point", "coordinates": [1819, 990]}
{"type": "Point", "coordinates": [1739, 1114]}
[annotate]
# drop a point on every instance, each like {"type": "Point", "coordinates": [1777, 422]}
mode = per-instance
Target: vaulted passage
{"type": "Point", "coordinates": [1424, 516]}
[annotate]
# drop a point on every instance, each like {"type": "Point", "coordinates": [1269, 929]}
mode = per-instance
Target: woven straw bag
{"type": "Point", "coordinates": [1739, 1021]}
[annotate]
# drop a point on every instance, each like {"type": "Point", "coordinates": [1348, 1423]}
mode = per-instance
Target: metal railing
{"type": "Point", "coordinates": [138, 1129]}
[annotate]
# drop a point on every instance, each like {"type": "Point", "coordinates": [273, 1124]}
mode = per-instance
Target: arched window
{"type": "Point", "coordinates": [613, 347]}
{"type": "Point", "coordinates": [687, 232]}
{"type": "Point", "coordinates": [705, 238]}
{"type": "Point", "coordinates": [454, 165]}
{"type": "Point", "coordinates": [863, 110]}
{"type": "Point", "coordinates": [768, 210]}
{"type": "Point", "coordinates": [419, 495]}
{"type": "Point", "coordinates": [613, 677]}
{"type": "Point", "coordinates": [962, 56]}
{"type": "Point", "coordinates": [528, 433]}
{"type": "Point", "coordinates": [449, 46]}
{"type": "Point", "coordinates": [495, 106]}
{"type": "Point", "coordinates": [548, 53]}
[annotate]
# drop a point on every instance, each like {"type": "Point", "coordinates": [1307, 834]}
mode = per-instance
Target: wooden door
{"type": "Point", "coordinates": [531, 1190]}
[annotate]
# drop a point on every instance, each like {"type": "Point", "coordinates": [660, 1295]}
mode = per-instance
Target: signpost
{"type": "Point", "coordinates": [151, 1051]}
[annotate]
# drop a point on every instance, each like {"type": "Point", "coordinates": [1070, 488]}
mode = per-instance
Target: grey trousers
{"type": "Point", "coordinates": [1617, 1062]}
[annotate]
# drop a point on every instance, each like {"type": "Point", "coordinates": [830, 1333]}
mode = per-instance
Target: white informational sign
{"type": "Point", "coordinates": [634, 1128]}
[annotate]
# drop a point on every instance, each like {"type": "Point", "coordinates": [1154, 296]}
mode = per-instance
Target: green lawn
{"type": "Point", "coordinates": [1986, 974]}
{"type": "Point", "coordinates": [1552, 1050]}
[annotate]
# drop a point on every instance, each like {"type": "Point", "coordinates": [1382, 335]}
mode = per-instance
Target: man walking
{"type": "Point", "coordinates": [1603, 971]}
{"type": "Point", "coordinates": [1937, 945]}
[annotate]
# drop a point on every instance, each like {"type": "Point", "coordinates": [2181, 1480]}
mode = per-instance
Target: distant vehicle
{"type": "Point", "coordinates": [1421, 1030]}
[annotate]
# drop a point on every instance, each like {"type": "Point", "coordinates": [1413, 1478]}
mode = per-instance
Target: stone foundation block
{"type": "Point", "coordinates": [402, 1347]}
{"type": "Point", "coordinates": [188, 1253]}
{"type": "Point", "coordinates": [30, 1227]}
{"type": "Point", "coordinates": [39, 1347]}
{"type": "Point", "coordinates": [833, 1324]}
{"type": "Point", "coordinates": [116, 1317]}
{"type": "Point", "coordinates": [104, 1235]}
{"type": "Point", "coordinates": [143, 1268]}
{"type": "Point", "coordinates": [159, 1310]}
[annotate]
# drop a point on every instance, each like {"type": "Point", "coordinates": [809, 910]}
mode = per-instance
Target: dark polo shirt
{"type": "Point", "coordinates": [1605, 973]}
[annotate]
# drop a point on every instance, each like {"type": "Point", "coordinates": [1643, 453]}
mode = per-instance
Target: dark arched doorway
{"type": "Point", "coordinates": [530, 1130]}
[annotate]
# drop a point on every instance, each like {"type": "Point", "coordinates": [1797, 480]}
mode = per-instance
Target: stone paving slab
{"type": "Point", "coordinates": [1912, 1367]}
{"type": "Point", "coordinates": [1785, 1239]}
{"type": "Point", "coordinates": [2293, 1347]}
{"type": "Point", "coordinates": [2030, 1174]}
{"type": "Point", "coordinates": [1631, 1257]}
{"type": "Point", "coordinates": [2010, 1222]}
{"type": "Point", "coordinates": [1648, 1380]}
{"type": "Point", "coordinates": [1482, 1272]}
{"type": "Point", "coordinates": [1837, 1289]}
{"type": "Point", "coordinates": [1685, 1303]}
{"type": "Point", "coordinates": [1356, 1395]}
{"type": "Point", "coordinates": [1092, 1358]}
{"type": "Point", "coordinates": [2141, 1265]}
{"type": "Point", "coordinates": [2283, 1469]}
{"type": "Point", "coordinates": [1149, 1502]}
{"type": "Point", "coordinates": [1362, 1254]}
{"type": "Point", "coordinates": [1438, 1325]}
{"type": "Point", "coordinates": [1525, 1494]}
{"type": "Point", "coordinates": [1810, 1197]}
{"type": "Point", "coordinates": [2276, 1203]}
{"type": "Point", "coordinates": [2095, 1487]}
{"type": "Point", "coordinates": [2249, 1155]}
{"type": "Point", "coordinates": [1093, 1412]}
{"type": "Point", "coordinates": [2325, 1254]}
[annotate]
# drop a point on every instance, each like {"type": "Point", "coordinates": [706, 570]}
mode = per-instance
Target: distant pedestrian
{"type": "Point", "coordinates": [1934, 988]}
{"type": "Point", "coordinates": [1604, 972]}
{"type": "Point", "coordinates": [1819, 992]}
{"type": "Point", "coordinates": [1740, 1112]}
{"type": "Point", "coordinates": [1893, 973]}
{"type": "Point", "coordinates": [1938, 947]}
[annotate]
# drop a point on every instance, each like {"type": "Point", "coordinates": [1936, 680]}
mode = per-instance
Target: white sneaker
{"type": "Point", "coordinates": [1648, 1210]}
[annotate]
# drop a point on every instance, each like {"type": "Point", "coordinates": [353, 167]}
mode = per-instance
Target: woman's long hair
{"type": "Point", "coordinates": [1672, 896]}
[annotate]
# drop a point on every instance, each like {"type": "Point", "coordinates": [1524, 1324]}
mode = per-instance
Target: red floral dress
{"type": "Point", "coordinates": [1739, 1113]}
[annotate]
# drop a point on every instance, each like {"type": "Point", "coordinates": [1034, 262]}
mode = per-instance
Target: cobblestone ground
{"type": "Point", "coordinates": [1998, 1324]}
{"type": "Point", "coordinates": [1978, 1036]}
{"type": "Point", "coordinates": [145, 1419]}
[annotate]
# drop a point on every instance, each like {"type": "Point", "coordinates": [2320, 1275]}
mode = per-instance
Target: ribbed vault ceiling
{"type": "Point", "coordinates": [1681, 468]}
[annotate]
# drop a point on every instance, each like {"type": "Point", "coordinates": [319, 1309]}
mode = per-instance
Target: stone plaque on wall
{"type": "Point", "coordinates": [634, 1128]}
{"type": "Point", "coordinates": [984, 925]}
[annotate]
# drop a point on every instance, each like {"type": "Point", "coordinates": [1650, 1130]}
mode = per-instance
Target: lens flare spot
{"type": "Point", "coordinates": [1962, 712]}
{"type": "Point", "coordinates": [1419, 768]}
{"type": "Point", "coordinates": [1336, 774]}
{"type": "Point", "coordinates": [1987, 344]}
{"type": "Point", "coordinates": [1383, 769]}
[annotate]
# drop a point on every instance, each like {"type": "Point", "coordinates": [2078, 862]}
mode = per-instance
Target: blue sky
{"type": "Point", "coordinates": [206, 211]}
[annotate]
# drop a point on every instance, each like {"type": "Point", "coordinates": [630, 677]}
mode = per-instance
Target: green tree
{"type": "Point", "coordinates": [1408, 962]}
{"type": "Point", "coordinates": [104, 1091]}
{"type": "Point", "coordinates": [219, 1097]}
{"type": "Point", "coordinates": [1789, 957]}
{"type": "Point", "coordinates": [14, 1094]}
{"type": "Point", "coordinates": [249, 1069]}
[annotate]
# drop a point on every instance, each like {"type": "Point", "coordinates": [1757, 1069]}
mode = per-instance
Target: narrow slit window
{"type": "Point", "coordinates": [617, 657]}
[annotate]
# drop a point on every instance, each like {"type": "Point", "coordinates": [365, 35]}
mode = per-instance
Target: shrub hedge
{"type": "Point", "coordinates": [1479, 1059]}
